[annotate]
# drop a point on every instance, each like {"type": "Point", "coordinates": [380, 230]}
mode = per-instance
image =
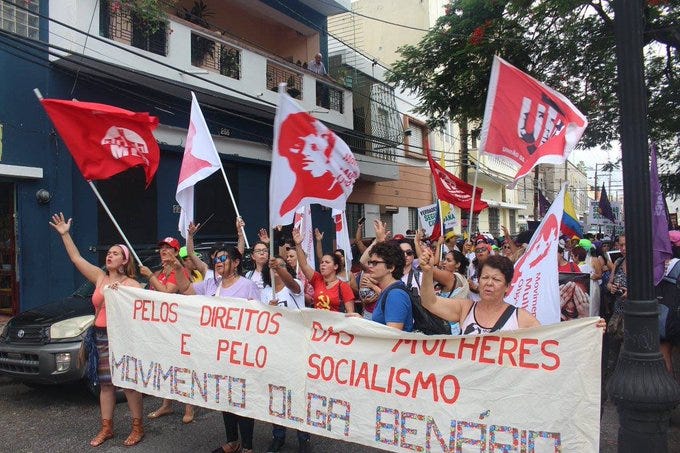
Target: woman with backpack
{"type": "Point", "coordinates": [385, 267]}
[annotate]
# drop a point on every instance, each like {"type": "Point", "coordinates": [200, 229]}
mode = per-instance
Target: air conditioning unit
{"type": "Point", "coordinates": [387, 209]}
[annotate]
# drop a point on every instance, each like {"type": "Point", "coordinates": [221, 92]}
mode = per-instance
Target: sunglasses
{"type": "Point", "coordinates": [221, 259]}
{"type": "Point", "coordinates": [408, 252]}
{"type": "Point", "coordinates": [481, 250]}
{"type": "Point", "coordinates": [373, 263]}
{"type": "Point", "coordinates": [506, 247]}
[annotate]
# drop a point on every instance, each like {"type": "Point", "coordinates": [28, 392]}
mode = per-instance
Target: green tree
{"type": "Point", "coordinates": [567, 44]}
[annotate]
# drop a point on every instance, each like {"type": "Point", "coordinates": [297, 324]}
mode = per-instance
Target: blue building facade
{"type": "Point", "coordinates": [38, 177]}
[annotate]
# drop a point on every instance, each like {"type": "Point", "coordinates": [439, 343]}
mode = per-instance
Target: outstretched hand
{"type": "Point", "coordinates": [297, 237]}
{"type": "Point", "coordinates": [426, 260]}
{"type": "Point", "coordinates": [318, 235]}
{"type": "Point", "coordinates": [59, 223]}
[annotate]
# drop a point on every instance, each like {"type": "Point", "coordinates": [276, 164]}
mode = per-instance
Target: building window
{"type": "Point", "coordinates": [412, 218]}
{"type": "Point", "coordinates": [18, 20]}
{"type": "Point", "coordinates": [513, 222]}
{"type": "Point", "coordinates": [122, 25]}
{"type": "Point", "coordinates": [494, 221]}
{"type": "Point", "coordinates": [416, 137]}
{"type": "Point", "coordinates": [353, 212]}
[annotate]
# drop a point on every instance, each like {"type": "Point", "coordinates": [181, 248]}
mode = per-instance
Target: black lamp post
{"type": "Point", "coordinates": [644, 392]}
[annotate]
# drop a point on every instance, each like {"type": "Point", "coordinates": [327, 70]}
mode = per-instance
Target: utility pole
{"type": "Point", "coordinates": [643, 391]}
{"type": "Point", "coordinates": [597, 198]}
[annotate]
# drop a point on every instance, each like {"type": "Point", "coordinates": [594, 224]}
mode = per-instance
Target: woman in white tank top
{"type": "Point", "coordinates": [491, 313]}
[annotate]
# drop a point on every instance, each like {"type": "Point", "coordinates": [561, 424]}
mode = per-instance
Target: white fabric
{"type": "Point", "coordinates": [535, 284]}
{"type": "Point", "coordinates": [361, 381]}
{"type": "Point", "coordinates": [286, 297]}
{"type": "Point", "coordinates": [200, 161]}
{"type": "Point", "coordinates": [512, 323]}
{"type": "Point", "coordinates": [342, 236]}
{"type": "Point", "coordinates": [303, 221]}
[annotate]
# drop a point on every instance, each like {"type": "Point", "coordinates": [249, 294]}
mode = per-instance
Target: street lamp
{"type": "Point", "coordinates": [644, 392]}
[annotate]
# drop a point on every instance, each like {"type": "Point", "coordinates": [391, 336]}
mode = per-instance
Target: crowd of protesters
{"type": "Point", "coordinates": [462, 281]}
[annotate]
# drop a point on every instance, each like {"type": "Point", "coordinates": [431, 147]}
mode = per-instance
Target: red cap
{"type": "Point", "coordinates": [398, 237]}
{"type": "Point", "coordinates": [172, 242]}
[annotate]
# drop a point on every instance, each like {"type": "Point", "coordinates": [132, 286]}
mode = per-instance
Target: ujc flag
{"type": "Point", "coordinates": [105, 140]}
{"type": "Point", "coordinates": [200, 161]}
{"type": "Point", "coordinates": [527, 122]}
{"type": "Point", "coordinates": [535, 286]}
{"type": "Point", "coordinates": [310, 164]}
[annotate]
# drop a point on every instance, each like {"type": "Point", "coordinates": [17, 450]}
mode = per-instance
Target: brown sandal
{"type": "Point", "coordinates": [137, 433]}
{"type": "Point", "coordinates": [104, 434]}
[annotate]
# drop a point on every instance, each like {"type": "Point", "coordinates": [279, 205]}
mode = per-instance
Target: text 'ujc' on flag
{"type": "Point", "coordinates": [526, 122]}
{"type": "Point", "coordinates": [310, 164]}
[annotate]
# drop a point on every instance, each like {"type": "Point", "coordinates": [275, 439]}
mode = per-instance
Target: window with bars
{"type": "Point", "coordinates": [412, 218]}
{"type": "Point", "coordinates": [494, 221]}
{"type": "Point", "coordinates": [353, 212]}
{"type": "Point", "coordinates": [15, 19]}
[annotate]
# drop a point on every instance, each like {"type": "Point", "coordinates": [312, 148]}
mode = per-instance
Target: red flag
{"type": "Point", "coordinates": [454, 190]}
{"type": "Point", "coordinates": [105, 140]}
{"type": "Point", "coordinates": [310, 164]}
{"type": "Point", "coordinates": [526, 121]}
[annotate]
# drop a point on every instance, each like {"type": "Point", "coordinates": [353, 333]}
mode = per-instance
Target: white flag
{"type": "Point", "coordinates": [535, 285]}
{"type": "Point", "coordinates": [200, 161]}
{"type": "Point", "coordinates": [310, 164]}
{"type": "Point", "coordinates": [303, 222]}
{"type": "Point", "coordinates": [342, 236]}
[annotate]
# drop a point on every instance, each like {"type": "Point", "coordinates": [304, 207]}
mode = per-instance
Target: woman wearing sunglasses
{"type": "Point", "coordinates": [227, 283]}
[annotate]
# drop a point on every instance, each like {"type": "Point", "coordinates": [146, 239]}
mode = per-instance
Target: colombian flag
{"type": "Point", "coordinates": [570, 225]}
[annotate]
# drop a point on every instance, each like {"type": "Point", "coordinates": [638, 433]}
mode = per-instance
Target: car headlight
{"type": "Point", "coordinates": [70, 328]}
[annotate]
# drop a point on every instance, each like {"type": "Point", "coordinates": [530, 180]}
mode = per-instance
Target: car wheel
{"type": "Point", "coordinates": [94, 390]}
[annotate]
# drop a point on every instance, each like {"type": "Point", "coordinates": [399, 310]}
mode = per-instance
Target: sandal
{"type": "Point", "coordinates": [105, 434]}
{"type": "Point", "coordinates": [231, 447]}
{"type": "Point", "coordinates": [160, 412]}
{"type": "Point", "coordinates": [137, 433]}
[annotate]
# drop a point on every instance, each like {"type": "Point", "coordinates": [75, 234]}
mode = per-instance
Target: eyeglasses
{"type": "Point", "coordinates": [481, 250]}
{"type": "Point", "coordinates": [408, 252]}
{"type": "Point", "coordinates": [261, 251]}
{"type": "Point", "coordinates": [221, 259]}
{"type": "Point", "coordinates": [373, 263]}
{"type": "Point", "coordinates": [506, 247]}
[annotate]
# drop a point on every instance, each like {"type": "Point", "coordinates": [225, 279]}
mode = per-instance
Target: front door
{"type": "Point", "coordinates": [9, 286]}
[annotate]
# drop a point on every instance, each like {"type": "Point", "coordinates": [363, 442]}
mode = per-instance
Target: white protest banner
{"type": "Point", "coordinates": [534, 285]}
{"type": "Point", "coordinates": [531, 390]}
{"type": "Point", "coordinates": [428, 217]}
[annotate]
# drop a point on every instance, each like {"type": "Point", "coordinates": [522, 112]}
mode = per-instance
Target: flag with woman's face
{"type": "Point", "coordinates": [310, 164]}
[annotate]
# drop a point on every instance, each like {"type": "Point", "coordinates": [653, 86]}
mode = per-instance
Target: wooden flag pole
{"type": "Point", "coordinates": [106, 208]}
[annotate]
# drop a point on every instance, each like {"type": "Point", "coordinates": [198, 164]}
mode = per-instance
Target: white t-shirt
{"type": "Point", "coordinates": [256, 277]}
{"type": "Point", "coordinates": [286, 297]}
{"type": "Point", "coordinates": [416, 280]}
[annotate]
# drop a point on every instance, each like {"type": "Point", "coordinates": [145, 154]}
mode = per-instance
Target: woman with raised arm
{"type": "Point", "coordinates": [329, 292]}
{"type": "Point", "coordinates": [120, 270]}
{"type": "Point", "coordinates": [491, 313]}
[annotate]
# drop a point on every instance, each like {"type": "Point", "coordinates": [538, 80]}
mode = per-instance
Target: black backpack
{"type": "Point", "coordinates": [423, 321]}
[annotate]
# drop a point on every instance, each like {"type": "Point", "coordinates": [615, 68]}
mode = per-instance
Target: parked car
{"type": "Point", "coordinates": [40, 346]}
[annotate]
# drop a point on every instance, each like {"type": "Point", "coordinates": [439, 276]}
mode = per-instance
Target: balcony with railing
{"type": "Point", "coordinates": [180, 51]}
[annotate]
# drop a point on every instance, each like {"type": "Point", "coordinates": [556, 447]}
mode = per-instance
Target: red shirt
{"type": "Point", "coordinates": [569, 266]}
{"type": "Point", "coordinates": [329, 298]}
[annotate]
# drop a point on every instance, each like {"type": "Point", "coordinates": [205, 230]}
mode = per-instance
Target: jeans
{"type": "Point", "coordinates": [233, 423]}
{"type": "Point", "coordinates": [279, 432]}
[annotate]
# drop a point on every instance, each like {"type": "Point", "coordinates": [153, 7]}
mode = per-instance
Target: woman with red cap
{"type": "Point", "coordinates": [165, 281]}
{"type": "Point", "coordinates": [120, 270]}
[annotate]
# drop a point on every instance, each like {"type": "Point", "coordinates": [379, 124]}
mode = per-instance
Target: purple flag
{"type": "Point", "coordinates": [605, 207]}
{"type": "Point", "coordinates": [661, 244]}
